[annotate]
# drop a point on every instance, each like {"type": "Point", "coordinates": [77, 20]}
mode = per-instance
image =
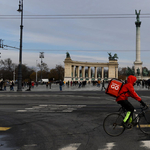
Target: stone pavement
{"type": "Point", "coordinates": [55, 87]}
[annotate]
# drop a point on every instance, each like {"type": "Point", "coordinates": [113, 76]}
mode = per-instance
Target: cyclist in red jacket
{"type": "Point", "coordinates": [128, 91]}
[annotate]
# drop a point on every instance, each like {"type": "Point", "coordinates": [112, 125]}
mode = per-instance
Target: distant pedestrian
{"type": "Point", "coordinates": [11, 86]}
{"type": "Point", "coordinates": [5, 83]}
{"type": "Point", "coordinates": [143, 83]}
{"type": "Point", "coordinates": [80, 84]}
{"type": "Point", "coordinates": [29, 85]}
{"type": "Point", "coordinates": [103, 85]}
{"type": "Point", "coordinates": [46, 84]}
{"type": "Point", "coordinates": [148, 83]}
{"type": "Point", "coordinates": [98, 83]}
{"type": "Point", "coordinates": [32, 83]}
{"type": "Point", "coordinates": [1, 85]}
{"type": "Point", "coordinates": [60, 85]}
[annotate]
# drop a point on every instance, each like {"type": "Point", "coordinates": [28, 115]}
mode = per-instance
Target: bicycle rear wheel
{"type": "Point", "coordinates": [144, 125]}
{"type": "Point", "coordinates": [113, 124]}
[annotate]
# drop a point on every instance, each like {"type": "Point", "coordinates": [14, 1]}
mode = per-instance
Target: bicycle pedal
{"type": "Point", "coordinates": [128, 125]}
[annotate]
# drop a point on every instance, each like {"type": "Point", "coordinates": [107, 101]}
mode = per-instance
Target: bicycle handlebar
{"type": "Point", "coordinates": [144, 107]}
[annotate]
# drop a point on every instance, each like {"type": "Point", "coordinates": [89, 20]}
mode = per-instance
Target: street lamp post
{"type": "Point", "coordinates": [20, 52]}
{"type": "Point", "coordinates": [41, 56]}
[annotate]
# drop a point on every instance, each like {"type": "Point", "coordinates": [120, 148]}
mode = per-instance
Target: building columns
{"type": "Point", "coordinates": [95, 72]}
{"type": "Point", "coordinates": [83, 71]}
{"type": "Point", "coordinates": [73, 71]}
{"type": "Point", "coordinates": [89, 72]}
{"type": "Point", "coordinates": [102, 73]}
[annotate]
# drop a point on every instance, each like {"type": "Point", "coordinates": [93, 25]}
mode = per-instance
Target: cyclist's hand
{"type": "Point", "coordinates": [145, 108]}
{"type": "Point", "coordinates": [143, 104]}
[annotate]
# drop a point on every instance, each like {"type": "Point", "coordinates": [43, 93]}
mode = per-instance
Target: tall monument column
{"type": "Point", "coordinates": [138, 63]}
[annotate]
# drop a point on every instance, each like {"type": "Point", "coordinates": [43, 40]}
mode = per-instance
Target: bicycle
{"type": "Point", "coordinates": [113, 123]}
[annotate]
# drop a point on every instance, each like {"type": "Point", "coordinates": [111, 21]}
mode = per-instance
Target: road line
{"type": "Point", "coordinates": [21, 110]}
{"type": "Point", "coordinates": [4, 128]}
{"type": "Point", "coordinates": [145, 125]}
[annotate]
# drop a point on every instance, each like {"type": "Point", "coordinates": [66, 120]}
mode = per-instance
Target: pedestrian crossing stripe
{"type": "Point", "coordinates": [4, 128]}
{"type": "Point", "coordinates": [73, 146]}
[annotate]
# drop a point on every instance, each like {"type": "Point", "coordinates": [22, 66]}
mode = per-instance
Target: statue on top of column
{"type": "Point", "coordinates": [137, 15]}
{"type": "Point", "coordinates": [67, 55]}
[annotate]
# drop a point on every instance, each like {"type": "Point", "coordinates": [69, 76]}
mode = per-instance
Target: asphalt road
{"type": "Point", "coordinates": [68, 120]}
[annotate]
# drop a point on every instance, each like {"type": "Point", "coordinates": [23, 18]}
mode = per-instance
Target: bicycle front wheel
{"type": "Point", "coordinates": [113, 124]}
{"type": "Point", "coordinates": [144, 125]}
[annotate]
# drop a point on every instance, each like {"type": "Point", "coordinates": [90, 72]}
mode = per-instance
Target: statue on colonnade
{"type": "Point", "coordinates": [115, 57]}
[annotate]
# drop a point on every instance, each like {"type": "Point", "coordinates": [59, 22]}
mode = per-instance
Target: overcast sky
{"type": "Point", "coordinates": [87, 29]}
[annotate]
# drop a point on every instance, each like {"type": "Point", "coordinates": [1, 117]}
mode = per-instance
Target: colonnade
{"type": "Point", "coordinates": [75, 70]}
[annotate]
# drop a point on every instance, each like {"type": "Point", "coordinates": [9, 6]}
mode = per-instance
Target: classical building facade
{"type": "Point", "coordinates": [75, 70]}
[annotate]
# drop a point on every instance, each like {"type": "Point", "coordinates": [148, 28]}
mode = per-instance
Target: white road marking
{"type": "Point", "coordinates": [52, 108]}
{"type": "Point", "coordinates": [110, 99]}
{"type": "Point", "coordinates": [73, 146]}
{"type": "Point", "coordinates": [146, 144]}
{"type": "Point", "coordinates": [21, 111]}
{"type": "Point", "coordinates": [109, 146]}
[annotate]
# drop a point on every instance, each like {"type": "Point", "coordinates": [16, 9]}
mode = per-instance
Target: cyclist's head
{"type": "Point", "coordinates": [131, 79]}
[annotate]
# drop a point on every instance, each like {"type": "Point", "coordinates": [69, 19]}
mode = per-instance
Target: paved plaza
{"type": "Point", "coordinates": [55, 87]}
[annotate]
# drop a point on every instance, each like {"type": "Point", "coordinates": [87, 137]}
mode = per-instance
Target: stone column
{"type": "Point", "coordinates": [138, 63]}
{"type": "Point", "coordinates": [83, 71]}
{"type": "Point", "coordinates": [76, 75]}
{"type": "Point", "coordinates": [102, 73]}
{"type": "Point", "coordinates": [78, 72]}
{"type": "Point", "coordinates": [89, 72]}
{"type": "Point", "coordinates": [138, 41]}
{"type": "Point", "coordinates": [73, 71]}
{"type": "Point", "coordinates": [95, 72]}
{"type": "Point", "coordinates": [116, 74]}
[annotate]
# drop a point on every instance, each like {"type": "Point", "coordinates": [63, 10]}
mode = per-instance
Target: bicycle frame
{"type": "Point", "coordinates": [137, 117]}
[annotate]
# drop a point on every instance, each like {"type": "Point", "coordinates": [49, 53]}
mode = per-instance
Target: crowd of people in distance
{"type": "Point", "coordinates": [143, 83]}
{"type": "Point", "coordinates": [9, 84]}
{"type": "Point", "coordinates": [80, 84]}
{"type": "Point", "coordinates": [5, 83]}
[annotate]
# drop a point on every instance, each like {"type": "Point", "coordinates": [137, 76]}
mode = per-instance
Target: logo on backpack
{"type": "Point", "coordinates": [115, 86]}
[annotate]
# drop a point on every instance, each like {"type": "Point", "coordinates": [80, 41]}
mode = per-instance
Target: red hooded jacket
{"type": "Point", "coordinates": [128, 90]}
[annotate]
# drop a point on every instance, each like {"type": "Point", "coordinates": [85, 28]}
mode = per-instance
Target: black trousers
{"type": "Point", "coordinates": [128, 106]}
